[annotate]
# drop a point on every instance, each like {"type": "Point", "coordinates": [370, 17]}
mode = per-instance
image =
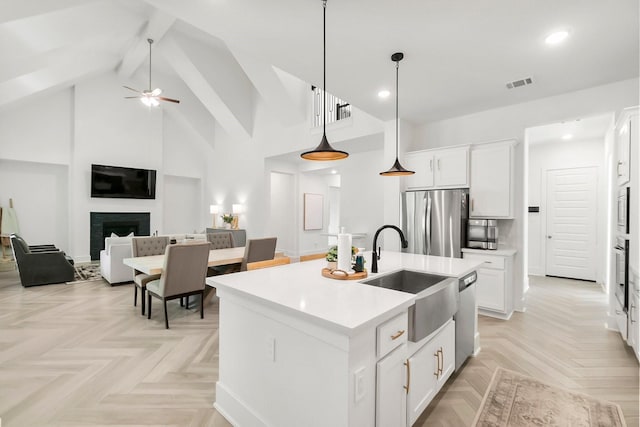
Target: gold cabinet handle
{"type": "Point", "coordinates": [440, 361]}
{"type": "Point", "coordinates": [408, 365]}
{"type": "Point", "coordinates": [397, 335]}
{"type": "Point", "coordinates": [437, 372]}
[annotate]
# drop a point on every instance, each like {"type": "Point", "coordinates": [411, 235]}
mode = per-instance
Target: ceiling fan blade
{"type": "Point", "coordinates": [130, 88]}
{"type": "Point", "coordinates": [169, 99]}
{"type": "Point", "coordinates": [132, 97]}
{"type": "Point", "coordinates": [157, 91]}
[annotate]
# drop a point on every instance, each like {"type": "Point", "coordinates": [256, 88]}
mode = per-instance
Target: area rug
{"type": "Point", "coordinates": [516, 400]}
{"type": "Point", "coordinates": [86, 272]}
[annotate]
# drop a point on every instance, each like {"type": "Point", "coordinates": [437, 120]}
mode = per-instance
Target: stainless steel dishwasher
{"type": "Point", "coordinates": [465, 318]}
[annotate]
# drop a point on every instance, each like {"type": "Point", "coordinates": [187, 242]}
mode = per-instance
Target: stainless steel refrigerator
{"type": "Point", "coordinates": [435, 222]}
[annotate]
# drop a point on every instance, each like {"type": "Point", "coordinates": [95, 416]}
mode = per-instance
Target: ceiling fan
{"type": "Point", "coordinates": [150, 98]}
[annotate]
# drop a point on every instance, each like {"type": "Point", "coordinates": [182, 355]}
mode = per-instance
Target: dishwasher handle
{"type": "Point", "coordinates": [466, 281]}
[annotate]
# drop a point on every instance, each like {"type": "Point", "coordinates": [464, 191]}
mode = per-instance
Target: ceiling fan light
{"type": "Point", "coordinates": [156, 92]}
{"type": "Point", "coordinates": [146, 101]}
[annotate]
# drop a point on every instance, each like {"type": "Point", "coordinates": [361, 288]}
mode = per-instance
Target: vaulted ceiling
{"type": "Point", "coordinates": [459, 54]}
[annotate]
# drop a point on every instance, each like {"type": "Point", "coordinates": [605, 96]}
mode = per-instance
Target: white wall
{"type": "Point", "coordinates": [361, 199]}
{"type": "Point", "coordinates": [510, 123]}
{"type": "Point", "coordinates": [92, 123]}
{"type": "Point", "coordinates": [182, 199]}
{"type": "Point", "coordinates": [283, 221]}
{"type": "Point", "coordinates": [39, 193]}
{"type": "Point", "coordinates": [565, 155]}
{"type": "Point", "coordinates": [35, 147]}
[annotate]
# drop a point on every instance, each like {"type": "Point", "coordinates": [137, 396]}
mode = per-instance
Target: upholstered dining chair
{"type": "Point", "coordinates": [258, 250]}
{"type": "Point", "coordinates": [145, 246]}
{"type": "Point", "coordinates": [183, 274]}
{"type": "Point", "coordinates": [221, 240]}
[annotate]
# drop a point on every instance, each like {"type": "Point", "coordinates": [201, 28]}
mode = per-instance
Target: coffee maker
{"type": "Point", "coordinates": [482, 234]}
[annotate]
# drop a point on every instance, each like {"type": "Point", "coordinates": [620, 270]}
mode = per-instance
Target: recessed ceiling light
{"type": "Point", "coordinates": [384, 94]}
{"type": "Point", "coordinates": [333, 171]}
{"type": "Point", "coordinates": [567, 136]}
{"type": "Point", "coordinates": [557, 37]}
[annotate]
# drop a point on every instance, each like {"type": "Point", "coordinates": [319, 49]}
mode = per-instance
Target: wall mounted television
{"type": "Point", "coordinates": [122, 183]}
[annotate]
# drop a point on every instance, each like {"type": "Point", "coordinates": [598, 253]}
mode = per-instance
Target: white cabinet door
{"type": "Point", "coordinates": [421, 163]}
{"type": "Point", "coordinates": [490, 190]}
{"type": "Point", "coordinates": [623, 146]}
{"type": "Point", "coordinates": [633, 335]}
{"type": "Point", "coordinates": [446, 345]}
{"type": "Point", "coordinates": [423, 373]}
{"type": "Point", "coordinates": [451, 167]}
{"type": "Point", "coordinates": [490, 289]}
{"type": "Point", "coordinates": [391, 394]}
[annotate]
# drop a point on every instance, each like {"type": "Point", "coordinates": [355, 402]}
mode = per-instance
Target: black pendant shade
{"type": "Point", "coordinates": [324, 151]}
{"type": "Point", "coordinates": [397, 169]}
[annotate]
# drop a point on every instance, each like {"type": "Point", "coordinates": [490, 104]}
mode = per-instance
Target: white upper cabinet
{"type": "Point", "coordinates": [422, 163]}
{"type": "Point", "coordinates": [491, 190]}
{"type": "Point", "coordinates": [440, 168]}
{"type": "Point", "coordinates": [625, 131]}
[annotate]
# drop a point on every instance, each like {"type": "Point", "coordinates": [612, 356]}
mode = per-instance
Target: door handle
{"type": "Point", "coordinates": [431, 165]}
{"type": "Point", "coordinates": [438, 164]}
{"type": "Point", "coordinates": [472, 204]}
{"type": "Point", "coordinates": [397, 335]}
{"type": "Point", "coordinates": [408, 365]}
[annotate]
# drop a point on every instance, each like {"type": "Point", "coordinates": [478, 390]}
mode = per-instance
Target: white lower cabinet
{"type": "Point", "coordinates": [409, 377]}
{"type": "Point", "coordinates": [495, 282]}
{"type": "Point", "coordinates": [633, 327]}
{"type": "Point", "coordinates": [391, 395]}
{"type": "Point", "coordinates": [428, 370]}
{"type": "Point", "coordinates": [490, 289]}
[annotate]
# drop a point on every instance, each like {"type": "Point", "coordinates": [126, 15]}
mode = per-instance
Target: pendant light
{"type": "Point", "coordinates": [324, 151]}
{"type": "Point", "coordinates": [397, 169]}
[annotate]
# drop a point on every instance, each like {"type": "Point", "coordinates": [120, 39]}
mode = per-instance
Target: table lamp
{"type": "Point", "coordinates": [236, 209]}
{"type": "Point", "coordinates": [214, 210]}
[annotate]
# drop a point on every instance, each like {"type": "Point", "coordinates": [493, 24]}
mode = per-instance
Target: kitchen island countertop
{"type": "Point", "coordinates": [344, 306]}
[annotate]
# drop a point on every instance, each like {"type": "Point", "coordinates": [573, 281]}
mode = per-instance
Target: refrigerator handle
{"type": "Point", "coordinates": [427, 227]}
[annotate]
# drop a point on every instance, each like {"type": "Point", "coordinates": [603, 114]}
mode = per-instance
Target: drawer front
{"type": "Point", "coordinates": [392, 333]}
{"type": "Point", "coordinates": [491, 261]}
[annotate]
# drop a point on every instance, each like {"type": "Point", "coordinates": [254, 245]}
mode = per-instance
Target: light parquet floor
{"type": "Point", "coordinates": [560, 339]}
{"type": "Point", "coordinates": [81, 355]}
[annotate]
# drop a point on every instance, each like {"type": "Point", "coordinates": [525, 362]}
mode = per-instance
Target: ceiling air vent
{"type": "Point", "coordinates": [519, 83]}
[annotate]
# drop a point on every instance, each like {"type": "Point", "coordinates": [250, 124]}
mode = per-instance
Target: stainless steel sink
{"type": "Point", "coordinates": [436, 298]}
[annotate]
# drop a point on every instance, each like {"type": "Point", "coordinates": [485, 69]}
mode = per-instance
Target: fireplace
{"type": "Point", "coordinates": [102, 224]}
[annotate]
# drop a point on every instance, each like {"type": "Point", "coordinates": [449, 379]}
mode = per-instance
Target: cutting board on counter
{"type": "Point", "coordinates": [343, 275]}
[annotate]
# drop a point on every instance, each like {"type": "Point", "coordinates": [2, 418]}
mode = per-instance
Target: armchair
{"type": "Point", "coordinates": [112, 268]}
{"type": "Point", "coordinates": [40, 266]}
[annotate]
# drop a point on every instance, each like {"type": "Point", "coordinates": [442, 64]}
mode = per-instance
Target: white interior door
{"type": "Point", "coordinates": [571, 223]}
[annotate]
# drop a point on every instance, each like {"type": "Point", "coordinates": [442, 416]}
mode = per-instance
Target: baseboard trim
{"type": "Point", "coordinates": [494, 314]}
{"type": "Point", "coordinates": [233, 409]}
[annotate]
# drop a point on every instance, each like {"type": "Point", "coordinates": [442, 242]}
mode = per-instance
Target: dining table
{"type": "Point", "coordinates": [153, 264]}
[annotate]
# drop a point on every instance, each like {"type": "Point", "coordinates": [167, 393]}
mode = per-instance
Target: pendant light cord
{"type": "Point", "coordinates": [150, 42]}
{"type": "Point", "coordinates": [397, 133]}
{"type": "Point", "coordinates": [324, 67]}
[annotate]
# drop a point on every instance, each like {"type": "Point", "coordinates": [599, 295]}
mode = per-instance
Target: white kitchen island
{"type": "Point", "coordinates": [298, 349]}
